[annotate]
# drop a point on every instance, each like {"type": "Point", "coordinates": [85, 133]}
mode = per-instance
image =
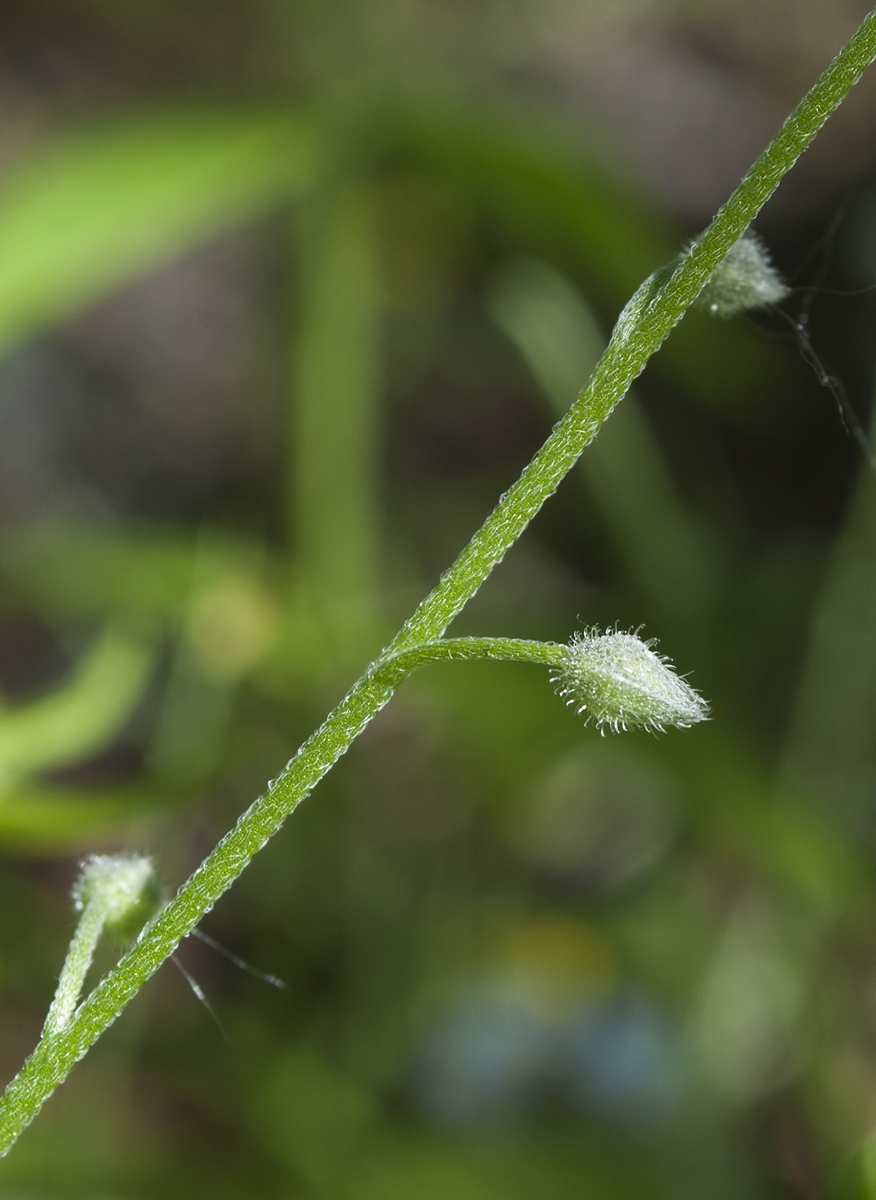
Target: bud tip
{"type": "Point", "coordinates": [126, 884]}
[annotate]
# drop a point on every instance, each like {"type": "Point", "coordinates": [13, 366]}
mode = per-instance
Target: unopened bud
{"type": "Point", "coordinates": [127, 888]}
{"type": "Point", "coordinates": [745, 279]}
{"type": "Point", "coordinates": [620, 683]}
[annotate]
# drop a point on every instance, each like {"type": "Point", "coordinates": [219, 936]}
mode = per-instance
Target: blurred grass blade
{"type": "Point", "coordinates": [334, 505]}
{"type": "Point", "coordinates": [560, 340]}
{"type": "Point", "coordinates": [831, 749]}
{"type": "Point", "coordinates": [65, 820]}
{"type": "Point", "coordinates": [141, 576]}
{"type": "Point", "coordinates": [81, 717]}
{"type": "Point", "coordinates": [93, 209]}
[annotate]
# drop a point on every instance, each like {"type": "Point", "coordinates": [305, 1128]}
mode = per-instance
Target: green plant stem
{"type": "Point", "coordinates": [396, 667]}
{"type": "Point", "coordinates": [55, 1055]}
{"type": "Point", "coordinates": [642, 327]}
{"type": "Point", "coordinates": [79, 958]}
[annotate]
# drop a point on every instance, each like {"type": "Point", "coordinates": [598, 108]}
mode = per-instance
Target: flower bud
{"type": "Point", "coordinates": [743, 280]}
{"type": "Point", "coordinates": [620, 683]}
{"type": "Point", "coordinates": [127, 887]}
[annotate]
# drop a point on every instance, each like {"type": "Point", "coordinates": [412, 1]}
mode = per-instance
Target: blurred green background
{"type": "Point", "coordinates": [289, 293]}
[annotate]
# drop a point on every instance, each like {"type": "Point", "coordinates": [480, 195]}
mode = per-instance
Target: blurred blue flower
{"type": "Point", "coordinates": [627, 1062]}
{"type": "Point", "coordinates": [495, 1056]}
{"type": "Point", "coordinates": [485, 1064]}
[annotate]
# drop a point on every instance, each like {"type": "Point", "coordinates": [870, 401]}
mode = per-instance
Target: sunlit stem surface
{"type": "Point", "coordinates": [645, 323]}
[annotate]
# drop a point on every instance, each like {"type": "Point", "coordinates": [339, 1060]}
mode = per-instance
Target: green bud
{"type": "Point", "coordinates": [127, 887]}
{"type": "Point", "coordinates": [622, 684]}
{"type": "Point", "coordinates": [744, 280]}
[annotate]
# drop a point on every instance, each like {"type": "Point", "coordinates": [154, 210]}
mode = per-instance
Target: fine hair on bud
{"type": "Point", "coordinates": [744, 280]}
{"type": "Point", "coordinates": [618, 682]}
{"type": "Point", "coordinates": [127, 888]}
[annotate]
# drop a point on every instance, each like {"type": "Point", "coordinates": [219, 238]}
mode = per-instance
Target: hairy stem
{"type": "Point", "coordinates": [398, 666]}
{"type": "Point", "coordinates": [645, 323]}
{"type": "Point", "coordinates": [79, 958]}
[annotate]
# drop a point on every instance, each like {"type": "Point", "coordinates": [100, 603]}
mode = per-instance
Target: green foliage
{"type": "Point", "coordinates": [91, 211]}
{"type": "Point", "coordinates": [476, 845]}
{"type": "Point", "coordinates": [76, 720]}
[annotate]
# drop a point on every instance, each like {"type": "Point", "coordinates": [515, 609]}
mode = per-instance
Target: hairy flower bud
{"type": "Point", "coordinates": [127, 887]}
{"type": "Point", "coordinates": [620, 683]}
{"type": "Point", "coordinates": [745, 279]}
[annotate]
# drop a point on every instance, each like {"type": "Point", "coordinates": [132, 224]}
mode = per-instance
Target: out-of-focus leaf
{"type": "Point", "coordinates": [81, 717]}
{"type": "Point", "coordinates": [139, 576]}
{"type": "Point", "coordinates": [66, 820]}
{"type": "Point", "coordinates": [93, 209]}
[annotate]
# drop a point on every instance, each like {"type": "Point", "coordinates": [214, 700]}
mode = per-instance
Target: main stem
{"type": "Point", "coordinates": [645, 323]}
